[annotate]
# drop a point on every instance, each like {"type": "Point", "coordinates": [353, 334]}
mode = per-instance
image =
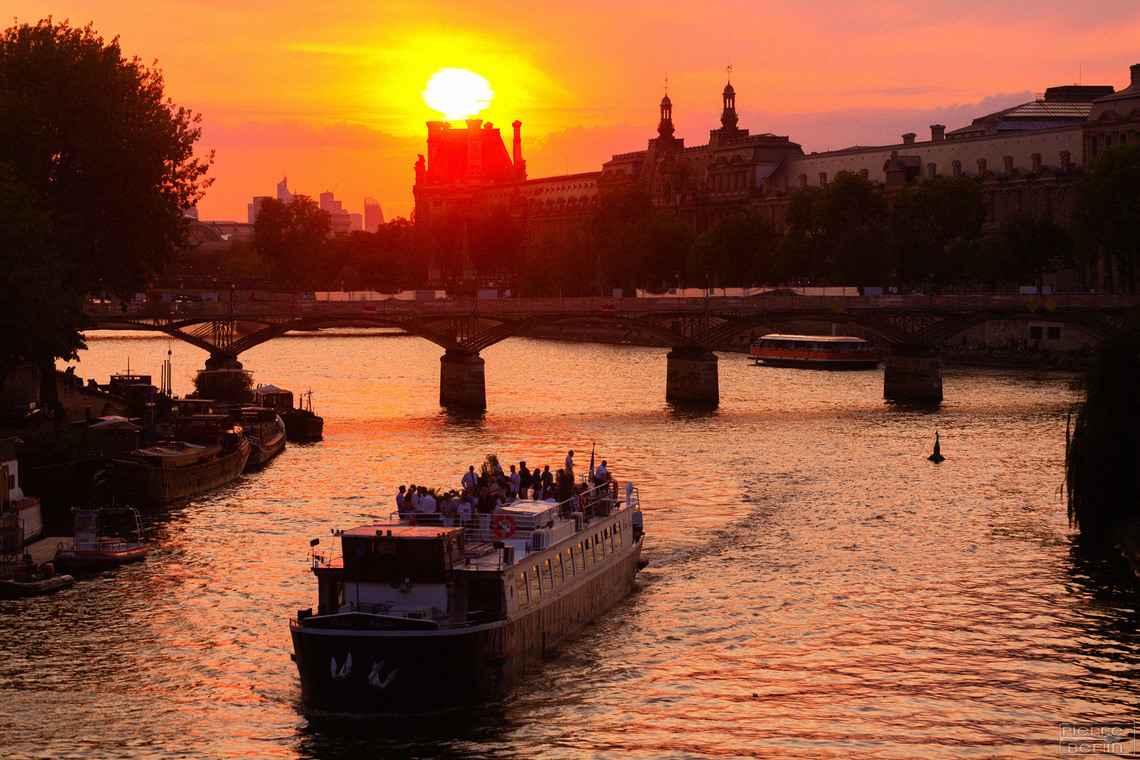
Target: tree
{"type": "Point", "coordinates": [737, 250]}
{"type": "Point", "coordinates": [1023, 246]}
{"type": "Point", "coordinates": [934, 228]}
{"type": "Point", "coordinates": [38, 311]}
{"type": "Point", "coordinates": [292, 236]}
{"type": "Point", "coordinates": [1106, 213]}
{"type": "Point", "coordinates": [109, 163]}
{"type": "Point", "coordinates": [106, 154]}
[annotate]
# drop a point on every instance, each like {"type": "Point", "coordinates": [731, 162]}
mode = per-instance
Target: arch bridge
{"type": "Point", "coordinates": [913, 326]}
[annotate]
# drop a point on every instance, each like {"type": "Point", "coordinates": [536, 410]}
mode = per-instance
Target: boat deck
{"type": "Point", "coordinates": [44, 549]}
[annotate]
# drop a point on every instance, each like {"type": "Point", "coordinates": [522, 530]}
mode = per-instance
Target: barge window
{"type": "Point", "coordinates": [581, 559]}
{"type": "Point", "coordinates": [568, 563]}
{"type": "Point", "coordinates": [532, 583]}
{"type": "Point", "coordinates": [588, 553]}
{"type": "Point", "coordinates": [559, 573]}
{"type": "Point", "coordinates": [547, 578]}
{"type": "Point", "coordinates": [523, 597]}
{"type": "Point", "coordinates": [603, 543]}
{"type": "Point", "coordinates": [617, 536]}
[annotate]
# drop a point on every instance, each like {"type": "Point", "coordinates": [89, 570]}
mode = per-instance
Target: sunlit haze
{"type": "Point", "coordinates": [330, 94]}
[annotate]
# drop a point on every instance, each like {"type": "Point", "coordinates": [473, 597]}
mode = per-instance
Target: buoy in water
{"type": "Point", "coordinates": [936, 457]}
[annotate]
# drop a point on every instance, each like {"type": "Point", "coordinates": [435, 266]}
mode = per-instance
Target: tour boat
{"type": "Point", "coordinates": [816, 351]}
{"type": "Point", "coordinates": [208, 451]}
{"type": "Point", "coordinates": [423, 618]}
{"type": "Point", "coordinates": [265, 431]}
{"type": "Point", "coordinates": [93, 550]}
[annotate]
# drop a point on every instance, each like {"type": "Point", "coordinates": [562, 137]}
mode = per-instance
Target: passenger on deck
{"type": "Point", "coordinates": [402, 507]}
{"type": "Point", "coordinates": [449, 509]}
{"type": "Point", "coordinates": [536, 482]}
{"type": "Point", "coordinates": [524, 481]}
{"type": "Point", "coordinates": [547, 482]}
{"type": "Point", "coordinates": [600, 474]}
{"type": "Point", "coordinates": [470, 479]}
{"type": "Point", "coordinates": [427, 502]}
{"type": "Point", "coordinates": [465, 508]}
{"type": "Point", "coordinates": [514, 481]}
{"type": "Point", "coordinates": [569, 466]}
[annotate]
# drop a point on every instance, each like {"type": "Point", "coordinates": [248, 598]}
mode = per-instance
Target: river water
{"type": "Point", "coordinates": [816, 588]}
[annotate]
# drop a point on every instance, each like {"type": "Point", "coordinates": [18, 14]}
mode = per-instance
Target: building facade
{"type": "Point", "coordinates": [1023, 158]}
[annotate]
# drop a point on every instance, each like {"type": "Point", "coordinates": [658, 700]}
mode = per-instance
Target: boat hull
{"type": "Point", "coordinates": [808, 361]}
{"type": "Point", "coordinates": [262, 450]}
{"type": "Point", "coordinates": [302, 426]}
{"type": "Point", "coordinates": [11, 589]}
{"type": "Point", "coordinates": [141, 482]}
{"type": "Point", "coordinates": [404, 670]}
{"type": "Point", "coordinates": [93, 560]}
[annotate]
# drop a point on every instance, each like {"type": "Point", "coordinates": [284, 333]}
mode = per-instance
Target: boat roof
{"type": "Point", "coordinates": [397, 529]}
{"type": "Point", "coordinates": [824, 338]}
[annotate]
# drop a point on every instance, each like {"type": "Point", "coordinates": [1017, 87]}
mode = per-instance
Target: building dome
{"type": "Point", "coordinates": [665, 102]}
{"type": "Point", "coordinates": [728, 91]}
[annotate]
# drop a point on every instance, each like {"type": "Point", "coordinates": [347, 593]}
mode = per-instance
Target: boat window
{"type": "Point", "coordinates": [387, 560]}
{"type": "Point", "coordinates": [607, 547]}
{"type": "Point", "coordinates": [568, 563]}
{"type": "Point", "coordinates": [532, 583]}
{"type": "Point", "coordinates": [547, 578]}
{"type": "Point", "coordinates": [617, 536]}
{"type": "Point", "coordinates": [559, 574]}
{"type": "Point", "coordinates": [581, 559]}
{"type": "Point", "coordinates": [523, 598]}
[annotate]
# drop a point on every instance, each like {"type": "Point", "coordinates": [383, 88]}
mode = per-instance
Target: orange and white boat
{"type": "Point", "coordinates": [95, 549]}
{"type": "Point", "coordinates": [814, 351]}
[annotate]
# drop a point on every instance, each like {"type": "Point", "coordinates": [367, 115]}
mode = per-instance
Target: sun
{"type": "Point", "coordinates": [457, 93]}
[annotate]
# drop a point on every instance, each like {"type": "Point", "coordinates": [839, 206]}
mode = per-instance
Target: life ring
{"type": "Point", "coordinates": [503, 525]}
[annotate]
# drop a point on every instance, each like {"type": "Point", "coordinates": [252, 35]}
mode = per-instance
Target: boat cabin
{"type": "Point", "coordinates": [272, 397]}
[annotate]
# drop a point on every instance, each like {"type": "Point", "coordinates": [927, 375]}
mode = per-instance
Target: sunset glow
{"type": "Point", "coordinates": [457, 93]}
{"type": "Point", "coordinates": [335, 97]}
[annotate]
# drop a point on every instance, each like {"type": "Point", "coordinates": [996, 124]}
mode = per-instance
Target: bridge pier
{"type": "Point", "coordinates": [462, 383]}
{"type": "Point", "coordinates": [691, 377]}
{"type": "Point", "coordinates": [912, 373]}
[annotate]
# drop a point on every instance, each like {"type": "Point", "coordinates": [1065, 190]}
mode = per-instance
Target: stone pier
{"type": "Point", "coordinates": [912, 373]}
{"type": "Point", "coordinates": [461, 381]}
{"type": "Point", "coordinates": [691, 377]}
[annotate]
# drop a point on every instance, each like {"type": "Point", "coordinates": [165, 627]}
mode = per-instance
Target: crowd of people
{"type": "Point", "coordinates": [481, 493]}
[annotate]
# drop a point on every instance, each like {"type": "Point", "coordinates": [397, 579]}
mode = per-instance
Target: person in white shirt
{"type": "Point", "coordinates": [427, 502]}
{"type": "Point", "coordinates": [570, 463]}
{"type": "Point", "coordinates": [470, 479]}
{"type": "Point", "coordinates": [513, 481]}
{"type": "Point", "coordinates": [600, 473]}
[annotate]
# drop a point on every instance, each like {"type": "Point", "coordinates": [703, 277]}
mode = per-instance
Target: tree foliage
{"type": "Point", "coordinates": [292, 236]}
{"type": "Point", "coordinates": [935, 228]}
{"type": "Point", "coordinates": [108, 157]}
{"type": "Point", "coordinates": [1106, 212]}
{"type": "Point", "coordinates": [1101, 461]}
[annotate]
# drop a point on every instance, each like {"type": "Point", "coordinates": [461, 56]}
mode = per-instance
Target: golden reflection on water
{"type": "Point", "coordinates": [816, 588]}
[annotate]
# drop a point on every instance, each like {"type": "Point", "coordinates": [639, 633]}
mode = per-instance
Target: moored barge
{"type": "Point", "coordinates": [425, 618]}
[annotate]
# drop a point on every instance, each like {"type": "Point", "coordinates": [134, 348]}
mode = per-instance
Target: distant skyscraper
{"type": "Point", "coordinates": [373, 215]}
{"type": "Point", "coordinates": [341, 219]}
{"type": "Point", "coordinates": [283, 193]}
{"type": "Point", "coordinates": [255, 207]}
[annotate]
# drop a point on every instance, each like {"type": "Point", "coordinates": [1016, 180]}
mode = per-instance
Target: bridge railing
{"type": "Point", "coordinates": [603, 307]}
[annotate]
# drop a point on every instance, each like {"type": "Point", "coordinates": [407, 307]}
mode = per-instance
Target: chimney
{"type": "Point", "coordinates": [1007, 164]}
{"type": "Point", "coordinates": [937, 132]}
{"type": "Point", "coordinates": [1136, 74]}
{"type": "Point", "coordinates": [1065, 159]}
{"type": "Point", "coordinates": [474, 148]}
{"type": "Point", "coordinates": [1036, 159]}
{"type": "Point", "coordinates": [981, 166]}
{"type": "Point", "coordinates": [931, 170]}
{"type": "Point", "coordinates": [956, 167]}
{"type": "Point", "coordinates": [908, 138]}
{"type": "Point", "coordinates": [517, 159]}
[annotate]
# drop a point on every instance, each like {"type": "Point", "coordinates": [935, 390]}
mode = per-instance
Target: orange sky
{"type": "Point", "coordinates": [329, 93]}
